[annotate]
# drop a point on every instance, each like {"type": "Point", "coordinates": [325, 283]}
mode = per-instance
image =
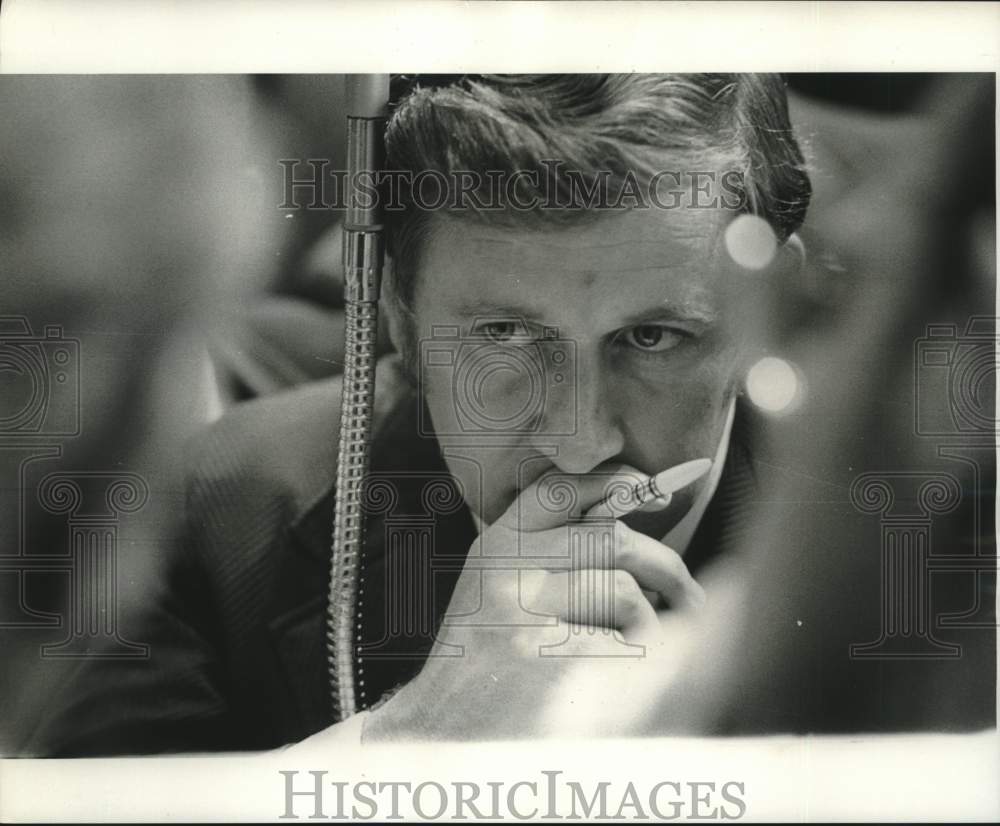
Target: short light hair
{"type": "Point", "coordinates": [590, 123]}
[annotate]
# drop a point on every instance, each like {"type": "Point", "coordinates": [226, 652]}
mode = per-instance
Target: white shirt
{"type": "Point", "coordinates": [679, 536]}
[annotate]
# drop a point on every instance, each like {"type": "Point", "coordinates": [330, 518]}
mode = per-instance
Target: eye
{"type": "Point", "coordinates": [653, 338]}
{"type": "Point", "coordinates": [503, 331]}
{"type": "Point", "coordinates": [499, 331]}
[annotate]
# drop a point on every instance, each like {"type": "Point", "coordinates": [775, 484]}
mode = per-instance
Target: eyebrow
{"type": "Point", "coordinates": [493, 310]}
{"type": "Point", "coordinates": [682, 311]}
{"type": "Point", "coordinates": [679, 311]}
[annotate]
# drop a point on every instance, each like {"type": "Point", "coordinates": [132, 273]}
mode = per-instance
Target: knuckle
{"type": "Point", "coordinates": [628, 604]}
{"type": "Point", "coordinates": [625, 585]}
{"type": "Point", "coordinates": [623, 560]}
{"type": "Point", "coordinates": [674, 565]}
{"type": "Point", "coordinates": [626, 612]}
{"type": "Point", "coordinates": [624, 546]}
{"type": "Point", "coordinates": [623, 542]}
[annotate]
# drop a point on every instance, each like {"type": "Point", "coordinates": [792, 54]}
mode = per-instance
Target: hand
{"type": "Point", "coordinates": [511, 637]}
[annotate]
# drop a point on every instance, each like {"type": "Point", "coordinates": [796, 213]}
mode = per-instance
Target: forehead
{"type": "Point", "coordinates": [616, 263]}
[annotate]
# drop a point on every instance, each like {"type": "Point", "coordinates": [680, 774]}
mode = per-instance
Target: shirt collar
{"type": "Point", "coordinates": [679, 536]}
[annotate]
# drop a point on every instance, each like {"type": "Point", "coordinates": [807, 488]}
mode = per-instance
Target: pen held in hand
{"type": "Point", "coordinates": [625, 499]}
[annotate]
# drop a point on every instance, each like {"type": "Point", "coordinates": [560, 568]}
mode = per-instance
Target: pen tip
{"type": "Point", "coordinates": [675, 478]}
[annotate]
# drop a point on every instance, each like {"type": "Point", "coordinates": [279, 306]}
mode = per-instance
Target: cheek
{"type": "Point", "coordinates": [673, 421]}
{"type": "Point", "coordinates": [436, 390]}
{"type": "Point", "coordinates": [490, 477]}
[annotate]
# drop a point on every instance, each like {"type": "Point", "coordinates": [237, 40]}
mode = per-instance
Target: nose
{"type": "Point", "coordinates": [582, 419]}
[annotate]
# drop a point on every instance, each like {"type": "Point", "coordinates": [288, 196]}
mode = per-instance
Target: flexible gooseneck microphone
{"type": "Point", "coordinates": [364, 253]}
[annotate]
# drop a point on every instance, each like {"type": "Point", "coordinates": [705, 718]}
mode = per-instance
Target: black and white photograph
{"type": "Point", "coordinates": [356, 423]}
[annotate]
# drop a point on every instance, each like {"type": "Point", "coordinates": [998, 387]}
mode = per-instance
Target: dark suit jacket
{"type": "Point", "coordinates": [236, 626]}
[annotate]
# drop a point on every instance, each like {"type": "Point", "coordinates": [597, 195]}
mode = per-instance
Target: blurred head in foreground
{"type": "Point", "coordinates": [128, 212]}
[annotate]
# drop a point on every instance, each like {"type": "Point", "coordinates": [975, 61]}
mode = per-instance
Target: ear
{"type": "Point", "coordinates": [393, 313]}
{"type": "Point", "coordinates": [778, 302]}
{"type": "Point", "coordinates": [795, 249]}
{"type": "Point", "coordinates": [791, 276]}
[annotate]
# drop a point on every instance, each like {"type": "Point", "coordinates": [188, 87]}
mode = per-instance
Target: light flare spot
{"type": "Point", "coordinates": [751, 242]}
{"type": "Point", "coordinates": [774, 386]}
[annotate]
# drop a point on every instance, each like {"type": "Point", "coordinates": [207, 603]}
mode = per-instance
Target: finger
{"type": "Point", "coordinates": [556, 497]}
{"type": "Point", "coordinates": [593, 597]}
{"type": "Point", "coordinates": [621, 503]}
{"type": "Point", "coordinates": [587, 642]}
{"type": "Point", "coordinates": [656, 567]}
{"type": "Point", "coordinates": [598, 545]}
{"type": "Point", "coordinates": [656, 504]}
{"type": "Point", "coordinates": [653, 598]}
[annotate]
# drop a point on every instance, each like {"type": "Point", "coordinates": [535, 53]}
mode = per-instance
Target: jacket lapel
{"type": "Point", "coordinates": [722, 527]}
{"type": "Point", "coordinates": [413, 517]}
{"type": "Point", "coordinates": [416, 521]}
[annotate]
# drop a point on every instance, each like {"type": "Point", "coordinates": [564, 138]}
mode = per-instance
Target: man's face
{"type": "Point", "coordinates": [643, 370]}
